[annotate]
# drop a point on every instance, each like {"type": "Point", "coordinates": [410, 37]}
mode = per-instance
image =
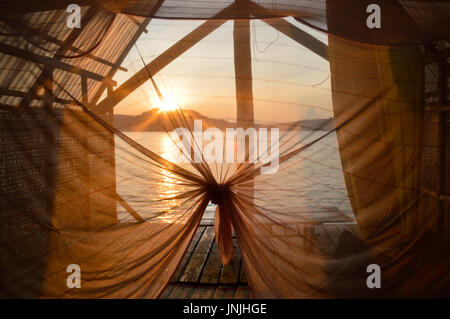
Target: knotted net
{"type": "Point", "coordinates": [81, 186]}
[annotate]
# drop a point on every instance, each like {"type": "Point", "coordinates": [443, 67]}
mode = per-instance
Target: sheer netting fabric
{"type": "Point", "coordinates": [78, 188]}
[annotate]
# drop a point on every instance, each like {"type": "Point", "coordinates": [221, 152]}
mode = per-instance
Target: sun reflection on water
{"type": "Point", "coordinates": [169, 184]}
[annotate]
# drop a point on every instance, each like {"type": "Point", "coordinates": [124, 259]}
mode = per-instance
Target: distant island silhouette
{"type": "Point", "coordinates": [150, 121]}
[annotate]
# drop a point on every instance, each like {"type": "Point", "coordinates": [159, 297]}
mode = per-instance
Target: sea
{"type": "Point", "coordinates": [311, 184]}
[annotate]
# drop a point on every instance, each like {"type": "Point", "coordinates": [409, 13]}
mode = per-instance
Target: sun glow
{"type": "Point", "coordinates": [168, 104]}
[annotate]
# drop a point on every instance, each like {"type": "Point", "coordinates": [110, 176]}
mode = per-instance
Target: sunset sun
{"type": "Point", "coordinates": [168, 104]}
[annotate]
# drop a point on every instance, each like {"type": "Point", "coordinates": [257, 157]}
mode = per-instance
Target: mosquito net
{"type": "Point", "coordinates": [320, 141]}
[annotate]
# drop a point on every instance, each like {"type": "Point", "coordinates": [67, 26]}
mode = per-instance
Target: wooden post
{"type": "Point", "coordinates": [443, 147]}
{"type": "Point", "coordinates": [48, 87]}
{"type": "Point", "coordinates": [86, 177]}
{"type": "Point", "coordinates": [84, 90]}
{"type": "Point", "coordinates": [244, 83]}
{"type": "Point", "coordinates": [50, 157]}
{"type": "Point", "coordinates": [243, 73]}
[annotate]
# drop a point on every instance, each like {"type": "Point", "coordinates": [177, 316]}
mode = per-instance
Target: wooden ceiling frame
{"type": "Point", "coordinates": [195, 36]}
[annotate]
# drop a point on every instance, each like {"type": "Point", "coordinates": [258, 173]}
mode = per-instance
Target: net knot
{"type": "Point", "coordinates": [218, 193]}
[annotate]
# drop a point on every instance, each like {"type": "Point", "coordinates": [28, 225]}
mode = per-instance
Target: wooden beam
{"type": "Point", "coordinates": [129, 209]}
{"type": "Point", "coordinates": [90, 56]}
{"type": "Point", "coordinates": [67, 44]}
{"type": "Point", "coordinates": [158, 64]}
{"type": "Point", "coordinates": [48, 88]}
{"type": "Point", "coordinates": [299, 36]}
{"type": "Point", "coordinates": [30, 6]}
{"type": "Point", "coordinates": [9, 92]}
{"type": "Point", "coordinates": [126, 50]}
{"type": "Point", "coordinates": [141, 26]}
{"type": "Point", "coordinates": [119, 61]}
{"type": "Point", "coordinates": [293, 32]}
{"type": "Point", "coordinates": [74, 34]}
{"type": "Point", "coordinates": [84, 90]}
{"type": "Point", "coordinates": [40, 59]}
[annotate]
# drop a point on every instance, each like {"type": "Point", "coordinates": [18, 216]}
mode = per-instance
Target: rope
{"type": "Point", "coordinates": [155, 86]}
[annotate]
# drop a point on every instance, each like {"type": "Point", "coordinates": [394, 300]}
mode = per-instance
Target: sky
{"type": "Point", "coordinates": [289, 81]}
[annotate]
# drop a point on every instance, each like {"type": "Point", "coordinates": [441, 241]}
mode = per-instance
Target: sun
{"type": "Point", "coordinates": [167, 104]}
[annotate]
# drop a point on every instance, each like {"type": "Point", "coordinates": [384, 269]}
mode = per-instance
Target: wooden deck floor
{"type": "Point", "coordinates": [201, 274]}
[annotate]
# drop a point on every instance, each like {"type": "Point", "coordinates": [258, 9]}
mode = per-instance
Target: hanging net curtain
{"type": "Point", "coordinates": [69, 173]}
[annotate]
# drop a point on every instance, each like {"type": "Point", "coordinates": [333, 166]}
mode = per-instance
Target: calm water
{"type": "Point", "coordinates": [312, 183]}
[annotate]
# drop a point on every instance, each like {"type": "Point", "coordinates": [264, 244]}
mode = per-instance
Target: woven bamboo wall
{"type": "Point", "coordinates": [436, 142]}
{"type": "Point", "coordinates": [50, 174]}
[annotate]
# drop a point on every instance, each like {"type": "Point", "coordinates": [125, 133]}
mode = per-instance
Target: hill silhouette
{"type": "Point", "coordinates": [150, 121]}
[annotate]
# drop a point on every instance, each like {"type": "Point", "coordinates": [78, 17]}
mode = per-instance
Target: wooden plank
{"type": "Point", "coordinates": [202, 293]}
{"type": "Point", "coordinates": [189, 292]}
{"type": "Point", "coordinates": [166, 293]}
{"type": "Point", "coordinates": [211, 272]}
{"type": "Point", "coordinates": [334, 235]}
{"type": "Point", "coordinates": [242, 275]}
{"type": "Point", "coordinates": [321, 217]}
{"type": "Point", "coordinates": [179, 292]}
{"type": "Point", "coordinates": [196, 263]}
{"type": "Point", "coordinates": [218, 294]}
{"type": "Point", "coordinates": [181, 267]}
{"type": "Point", "coordinates": [206, 240]}
{"type": "Point", "coordinates": [194, 267]}
{"type": "Point", "coordinates": [243, 293]}
{"type": "Point", "coordinates": [354, 229]}
{"type": "Point", "coordinates": [230, 272]}
{"type": "Point", "coordinates": [188, 254]}
{"type": "Point", "coordinates": [173, 293]}
{"type": "Point", "coordinates": [199, 292]}
{"type": "Point", "coordinates": [324, 240]}
{"type": "Point", "coordinates": [337, 213]}
{"type": "Point", "coordinates": [195, 240]}
{"type": "Point", "coordinates": [339, 229]}
{"type": "Point", "coordinates": [348, 243]}
{"type": "Point", "coordinates": [308, 237]}
{"type": "Point", "coordinates": [228, 293]}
